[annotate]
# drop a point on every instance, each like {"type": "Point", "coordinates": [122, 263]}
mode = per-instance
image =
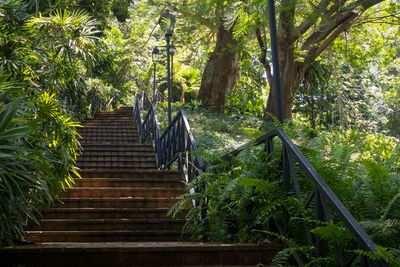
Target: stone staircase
{"type": "Point", "coordinates": [116, 215]}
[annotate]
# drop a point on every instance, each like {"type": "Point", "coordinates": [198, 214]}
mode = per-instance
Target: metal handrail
{"type": "Point", "coordinates": [176, 143]}
{"type": "Point", "coordinates": [323, 196]}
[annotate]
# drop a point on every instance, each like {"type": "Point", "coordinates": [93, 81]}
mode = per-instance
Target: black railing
{"type": "Point", "coordinates": [176, 144]}
{"type": "Point", "coordinates": [323, 198]}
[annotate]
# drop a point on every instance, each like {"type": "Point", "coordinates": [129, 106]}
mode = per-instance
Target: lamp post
{"type": "Point", "coordinates": [154, 57]}
{"type": "Point", "coordinates": [167, 23]}
{"type": "Point", "coordinates": [172, 52]}
{"type": "Point", "coordinates": [275, 59]}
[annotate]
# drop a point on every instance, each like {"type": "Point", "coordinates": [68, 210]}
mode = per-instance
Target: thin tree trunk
{"type": "Point", "coordinates": [222, 71]}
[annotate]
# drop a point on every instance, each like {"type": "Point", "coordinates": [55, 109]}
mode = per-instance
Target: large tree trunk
{"type": "Point", "coordinates": [291, 77]}
{"type": "Point", "coordinates": [222, 71]}
{"type": "Point", "coordinates": [337, 19]}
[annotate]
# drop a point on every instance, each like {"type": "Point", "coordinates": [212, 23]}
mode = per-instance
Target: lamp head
{"type": "Point", "coordinates": [155, 53]}
{"type": "Point", "coordinates": [167, 23]}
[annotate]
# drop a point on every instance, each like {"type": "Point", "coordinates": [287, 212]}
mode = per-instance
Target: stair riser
{"type": "Point", "coordinates": [110, 163]}
{"type": "Point", "coordinates": [131, 155]}
{"type": "Point", "coordinates": [109, 215]}
{"type": "Point", "coordinates": [121, 192]}
{"type": "Point", "coordinates": [123, 116]}
{"type": "Point", "coordinates": [95, 137]}
{"type": "Point", "coordinates": [113, 148]}
{"type": "Point", "coordinates": [124, 174]}
{"type": "Point", "coordinates": [101, 131]}
{"type": "Point", "coordinates": [107, 130]}
{"type": "Point", "coordinates": [129, 183]}
{"type": "Point", "coordinates": [145, 203]}
{"type": "Point", "coordinates": [117, 151]}
{"type": "Point", "coordinates": [105, 226]}
{"type": "Point", "coordinates": [109, 124]}
{"type": "Point", "coordinates": [113, 143]}
{"type": "Point", "coordinates": [136, 159]}
{"type": "Point", "coordinates": [114, 166]}
{"type": "Point", "coordinates": [101, 238]}
{"type": "Point", "coordinates": [151, 257]}
{"type": "Point", "coordinates": [88, 140]}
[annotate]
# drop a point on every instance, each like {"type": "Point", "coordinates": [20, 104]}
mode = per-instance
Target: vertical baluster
{"type": "Point", "coordinates": [285, 167]}
{"type": "Point", "coordinates": [320, 216]}
{"type": "Point", "coordinates": [173, 149]}
{"type": "Point", "coordinates": [169, 148]}
{"type": "Point", "coordinates": [298, 192]}
{"type": "Point", "coordinates": [179, 143]}
{"type": "Point", "coordinates": [189, 160]}
{"type": "Point", "coordinates": [269, 146]}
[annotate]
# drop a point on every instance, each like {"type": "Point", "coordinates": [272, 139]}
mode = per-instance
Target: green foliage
{"type": "Point", "coordinates": [44, 62]}
{"type": "Point", "coordinates": [38, 150]}
{"type": "Point", "coordinates": [215, 134]}
{"type": "Point", "coordinates": [238, 200]}
{"type": "Point", "coordinates": [249, 96]}
{"type": "Point", "coordinates": [243, 196]}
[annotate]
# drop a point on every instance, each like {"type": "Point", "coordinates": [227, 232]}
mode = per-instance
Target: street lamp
{"type": "Point", "coordinates": [154, 57]}
{"type": "Point", "coordinates": [167, 23]}
{"type": "Point", "coordinates": [172, 52]}
{"type": "Point", "coordinates": [275, 59]}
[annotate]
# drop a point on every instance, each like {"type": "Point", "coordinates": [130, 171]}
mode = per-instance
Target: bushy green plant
{"type": "Point", "coordinates": [241, 197]}
{"type": "Point", "coordinates": [38, 150]}
{"type": "Point", "coordinates": [237, 198]}
{"type": "Point", "coordinates": [363, 170]}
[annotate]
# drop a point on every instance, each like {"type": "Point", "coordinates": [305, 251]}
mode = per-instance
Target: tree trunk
{"type": "Point", "coordinates": [222, 71]}
{"type": "Point", "coordinates": [291, 77]}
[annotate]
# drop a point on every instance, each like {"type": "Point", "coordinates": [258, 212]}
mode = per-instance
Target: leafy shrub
{"type": "Point", "coordinates": [38, 150]}
{"type": "Point", "coordinates": [240, 198]}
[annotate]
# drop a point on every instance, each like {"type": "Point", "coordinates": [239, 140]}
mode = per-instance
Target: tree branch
{"type": "Point", "coordinates": [317, 50]}
{"type": "Point", "coordinates": [308, 22]}
{"type": "Point", "coordinates": [263, 56]}
{"type": "Point", "coordinates": [286, 18]}
{"type": "Point", "coordinates": [327, 28]}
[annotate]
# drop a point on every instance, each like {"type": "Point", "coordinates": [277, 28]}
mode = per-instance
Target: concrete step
{"type": "Point", "coordinates": [127, 154]}
{"type": "Point", "coordinates": [107, 224]}
{"type": "Point", "coordinates": [124, 124]}
{"type": "Point", "coordinates": [130, 182]}
{"type": "Point", "coordinates": [122, 192]}
{"type": "Point", "coordinates": [117, 165]}
{"type": "Point", "coordinates": [108, 136]}
{"type": "Point", "coordinates": [104, 236]}
{"type": "Point", "coordinates": [132, 147]}
{"type": "Point", "coordinates": [108, 129]}
{"type": "Point", "coordinates": [86, 143]}
{"type": "Point", "coordinates": [124, 173]}
{"type": "Point", "coordinates": [98, 130]}
{"type": "Point", "coordinates": [117, 202]}
{"type": "Point", "coordinates": [108, 213]}
{"type": "Point", "coordinates": [123, 159]}
{"type": "Point", "coordinates": [139, 254]}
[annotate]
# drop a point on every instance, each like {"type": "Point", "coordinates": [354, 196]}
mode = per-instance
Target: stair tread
{"type": "Point", "coordinates": [157, 245]}
{"type": "Point", "coordinates": [108, 232]}
{"type": "Point", "coordinates": [134, 171]}
{"type": "Point", "coordinates": [161, 220]}
{"type": "Point", "coordinates": [106, 209]}
{"type": "Point", "coordinates": [116, 198]}
{"type": "Point", "coordinates": [141, 179]}
{"type": "Point", "coordinates": [123, 188]}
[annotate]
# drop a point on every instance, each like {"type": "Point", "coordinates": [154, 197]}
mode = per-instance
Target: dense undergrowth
{"type": "Point", "coordinates": [47, 85]}
{"type": "Point", "coordinates": [363, 169]}
{"type": "Point", "coordinates": [215, 134]}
